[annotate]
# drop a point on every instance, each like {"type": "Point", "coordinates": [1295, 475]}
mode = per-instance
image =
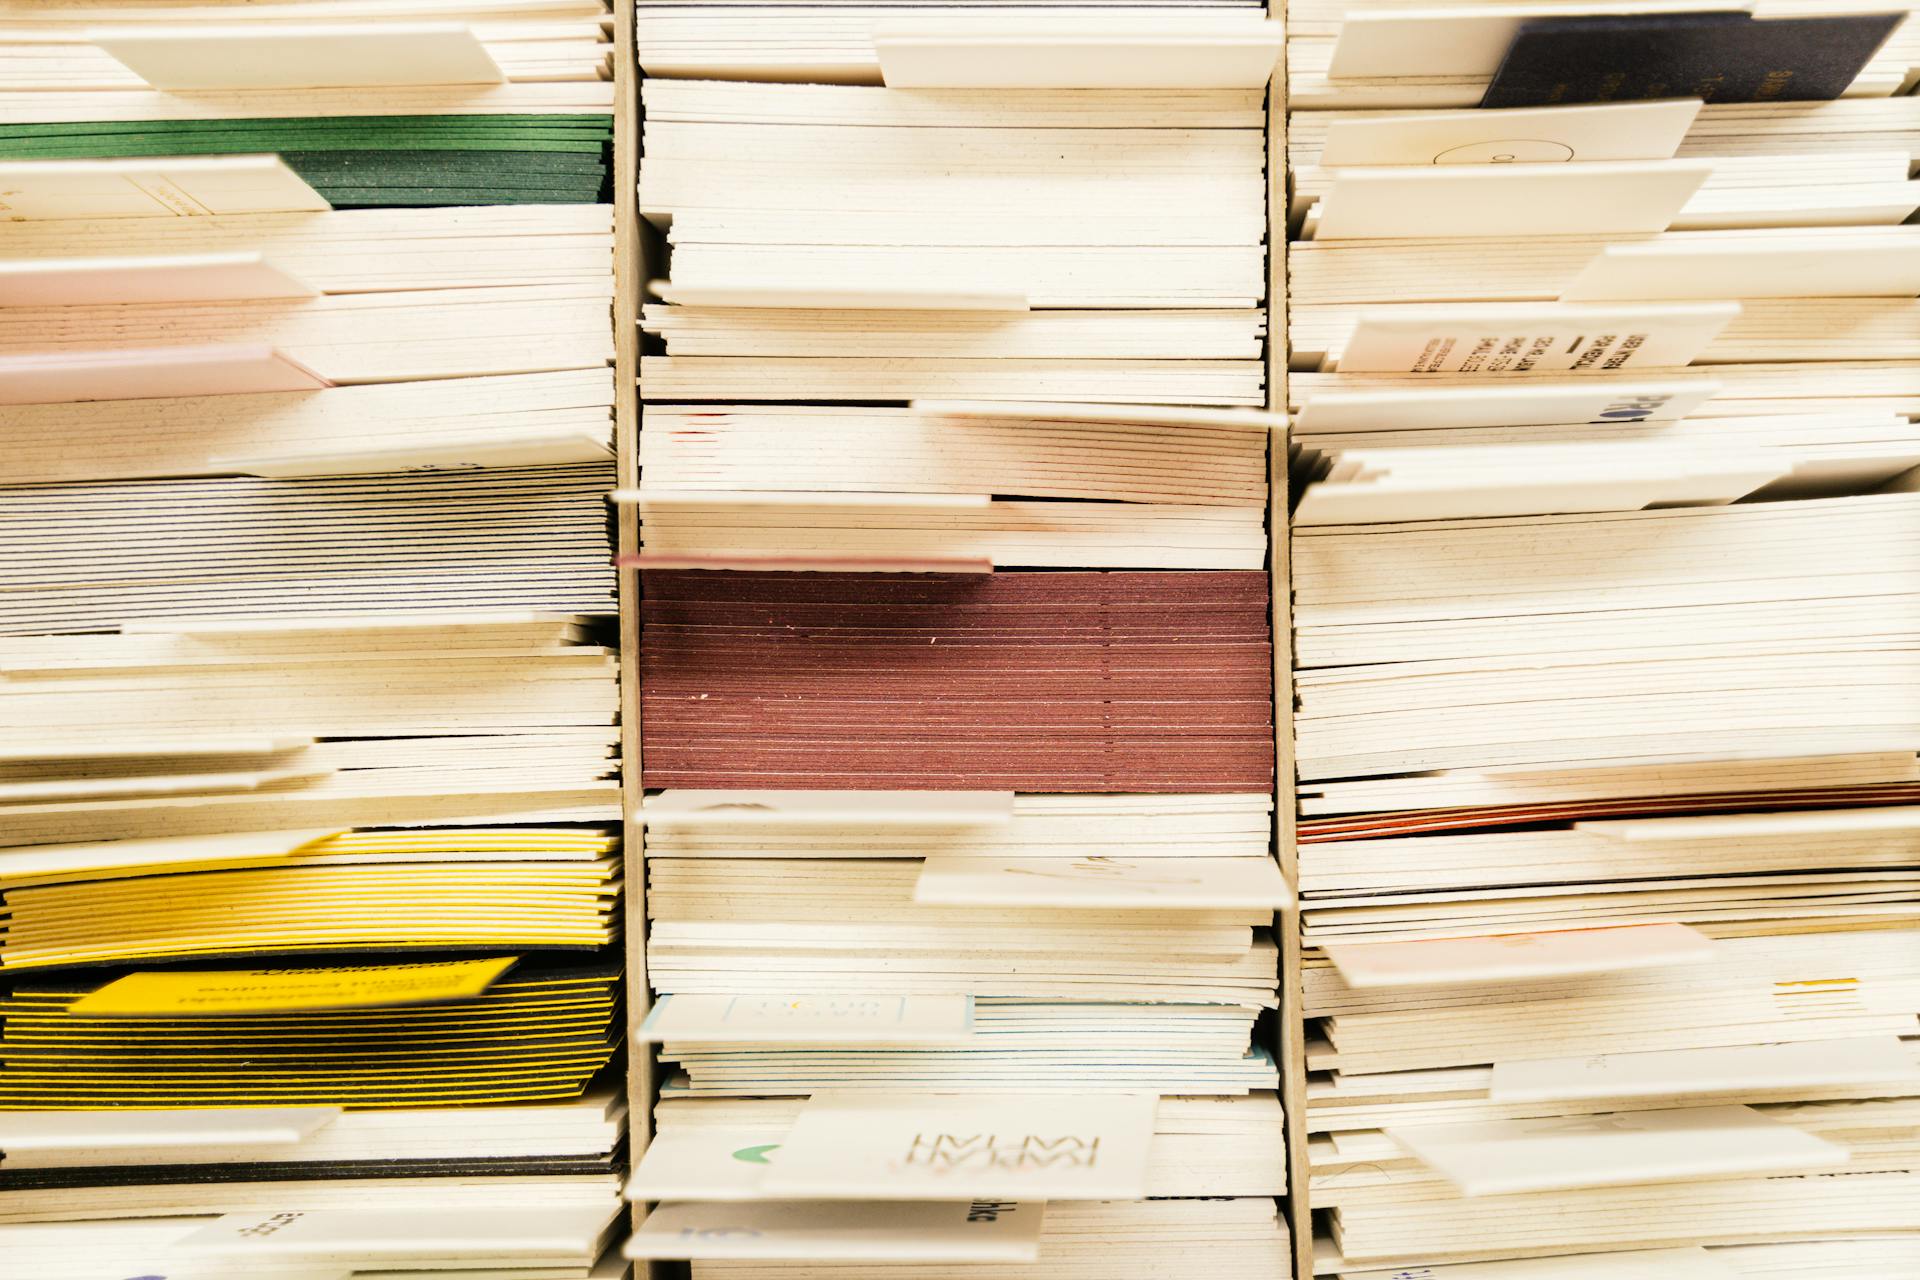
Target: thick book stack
{"type": "Point", "coordinates": [960, 888]}
{"type": "Point", "coordinates": [309, 775]}
{"type": "Point", "coordinates": [1603, 563]}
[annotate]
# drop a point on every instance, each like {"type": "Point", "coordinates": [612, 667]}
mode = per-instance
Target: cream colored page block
{"type": "Point", "coordinates": [238, 369]}
{"type": "Point", "coordinates": [209, 277]}
{"type": "Point", "coordinates": [1563, 1153]}
{"type": "Point", "coordinates": [273, 56]}
{"type": "Point", "coordinates": [1610, 197]}
{"type": "Point", "coordinates": [188, 186]}
{"type": "Point", "coordinates": [1877, 266]}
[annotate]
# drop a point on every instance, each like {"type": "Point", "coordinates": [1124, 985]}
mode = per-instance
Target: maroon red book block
{"type": "Point", "coordinates": [1065, 682]}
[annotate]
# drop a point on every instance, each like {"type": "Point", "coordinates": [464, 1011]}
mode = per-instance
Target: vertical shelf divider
{"type": "Point", "coordinates": [629, 253]}
{"type": "Point", "coordinates": [1290, 1051]}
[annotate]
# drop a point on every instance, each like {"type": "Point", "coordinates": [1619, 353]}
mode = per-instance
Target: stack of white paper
{"type": "Point", "coordinates": [1202, 1146]}
{"type": "Point", "coordinates": [1603, 468]}
{"type": "Point", "coordinates": [275, 725]}
{"type": "Point", "coordinates": [552, 1154]}
{"type": "Point", "coordinates": [1091, 245]}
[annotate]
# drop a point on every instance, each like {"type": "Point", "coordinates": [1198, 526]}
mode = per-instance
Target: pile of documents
{"type": "Point", "coordinates": [311, 740]}
{"type": "Point", "coordinates": [961, 891]}
{"type": "Point", "coordinates": [1031, 682]}
{"type": "Point", "coordinates": [1091, 245]}
{"type": "Point", "coordinates": [1607, 751]}
{"type": "Point", "coordinates": [279, 725]}
{"type": "Point", "coordinates": [1014, 953]}
{"type": "Point", "coordinates": [159, 1113]}
{"type": "Point", "coordinates": [1149, 487]}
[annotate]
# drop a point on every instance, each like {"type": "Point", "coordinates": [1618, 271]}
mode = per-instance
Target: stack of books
{"type": "Point", "coordinates": [310, 877]}
{"type": "Point", "coordinates": [959, 877]}
{"type": "Point", "coordinates": [1603, 591]}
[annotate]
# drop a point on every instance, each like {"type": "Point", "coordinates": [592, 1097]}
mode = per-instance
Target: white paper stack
{"type": "Point", "coordinates": [1090, 245]}
{"type": "Point", "coordinates": [1016, 485]}
{"type": "Point", "coordinates": [1605, 749]}
{"type": "Point", "coordinates": [557, 1155]}
{"type": "Point", "coordinates": [1619, 221]}
{"type": "Point", "coordinates": [281, 724]}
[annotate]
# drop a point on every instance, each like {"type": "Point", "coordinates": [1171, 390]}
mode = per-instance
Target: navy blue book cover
{"type": "Point", "coordinates": [1722, 57]}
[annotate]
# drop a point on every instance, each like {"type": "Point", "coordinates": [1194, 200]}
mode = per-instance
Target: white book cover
{"type": "Point", "coordinates": [1102, 883]}
{"type": "Point", "coordinates": [1565, 1153]}
{"type": "Point", "coordinates": [811, 1019]}
{"type": "Point", "coordinates": [705, 1164]}
{"type": "Point", "coordinates": [1526, 405]}
{"type": "Point", "coordinates": [201, 277]}
{"type": "Point", "coordinates": [1497, 338]}
{"type": "Point", "coordinates": [1748, 1068]}
{"type": "Point", "coordinates": [928, 1146]}
{"type": "Point", "coordinates": [1524, 135]}
{"type": "Point", "coordinates": [280, 55]}
{"type": "Point", "coordinates": [179, 187]}
{"type": "Point", "coordinates": [117, 1130]}
{"type": "Point", "coordinates": [844, 1231]}
{"type": "Point", "coordinates": [1620, 197]}
{"type": "Point", "coordinates": [1638, 1264]}
{"type": "Point", "coordinates": [1518, 957]}
{"type": "Point", "coordinates": [1805, 266]}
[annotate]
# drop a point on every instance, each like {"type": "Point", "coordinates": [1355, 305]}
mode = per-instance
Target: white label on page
{"type": "Point", "coordinates": [1497, 338]}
